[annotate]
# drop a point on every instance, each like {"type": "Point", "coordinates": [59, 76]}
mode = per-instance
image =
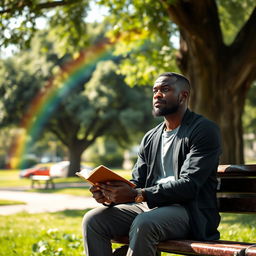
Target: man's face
{"type": "Point", "coordinates": [165, 96]}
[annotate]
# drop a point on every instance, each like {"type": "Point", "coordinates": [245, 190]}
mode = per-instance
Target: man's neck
{"type": "Point", "coordinates": [174, 120]}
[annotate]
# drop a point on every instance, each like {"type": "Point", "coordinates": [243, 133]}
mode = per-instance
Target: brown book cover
{"type": "Point", "coordinates": [102, 174]}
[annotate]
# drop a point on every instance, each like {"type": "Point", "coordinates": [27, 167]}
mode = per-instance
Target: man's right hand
{"type": "Point", "coordinates": [98, 195]}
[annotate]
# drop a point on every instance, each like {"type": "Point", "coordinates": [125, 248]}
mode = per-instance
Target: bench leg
{"type": "Point", "coordinates": [49, 183]}
{"type": "Point", "coordinates": [46, 184]}
{"type": "Point", "coordinates": [34, 182]}
{"type": "Point", "coordinates": [121, 251]}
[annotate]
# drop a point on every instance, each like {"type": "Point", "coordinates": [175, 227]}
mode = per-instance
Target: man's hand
{"type": "Point", "coordinates": [98, 195]}
{"type": "Point", "coordinates": [118, 192]}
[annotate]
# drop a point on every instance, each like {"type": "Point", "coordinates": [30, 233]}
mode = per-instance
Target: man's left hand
{"type": "Point", "coordinates": [118, 192]}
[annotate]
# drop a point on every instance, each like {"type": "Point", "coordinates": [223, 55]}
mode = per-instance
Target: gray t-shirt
{"type": "Point", "coordinates": [166, 159]}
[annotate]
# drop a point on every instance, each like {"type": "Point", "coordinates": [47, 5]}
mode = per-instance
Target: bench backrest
{"type": "Point", "coordinates": [237, 188]}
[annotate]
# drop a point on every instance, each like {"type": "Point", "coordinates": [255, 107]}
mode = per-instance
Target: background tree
{"type": "Point", "coordinates": [100, 103]}
{"type": "Point", "coordinates": [221, 66]}
{"type": "Point", "coordinates": [106, 106]}
{"type": "Point", "coordinates": [16, 78]}
{"type": "Point", "coordinates": [249, 123]}
{"type": "Point", "coordinates": [249, 118]}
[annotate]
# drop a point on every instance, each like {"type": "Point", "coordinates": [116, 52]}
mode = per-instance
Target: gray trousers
{"type": "Point", "coordinates": [145, 227]}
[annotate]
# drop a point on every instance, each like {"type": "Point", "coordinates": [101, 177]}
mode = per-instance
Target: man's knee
{"type": "Point", "coordinates": [144, 226]}
{"type": "Point", "coordinates": [92, 219]}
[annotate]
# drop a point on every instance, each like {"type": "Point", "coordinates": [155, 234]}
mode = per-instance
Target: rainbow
{"type": "Point", "coordinates": [59, 86]}
{"type": "Point", "coordinates": [46, 101]}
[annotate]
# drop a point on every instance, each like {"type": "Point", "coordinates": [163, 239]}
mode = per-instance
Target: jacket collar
{"type": "Point", "coordinates": [157, 137]}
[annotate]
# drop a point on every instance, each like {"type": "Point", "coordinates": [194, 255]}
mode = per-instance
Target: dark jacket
{"type": "Point", "coordinates": [196, 153]}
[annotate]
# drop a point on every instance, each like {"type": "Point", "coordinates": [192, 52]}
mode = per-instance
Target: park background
{"type": "Point", "coordinates": [76, 84]}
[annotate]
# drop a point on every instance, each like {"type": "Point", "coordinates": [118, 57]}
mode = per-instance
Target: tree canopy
{"type": "Point", "coordinates": [99, 104]}
{"type": "Point", "coordinates": [216, 50]}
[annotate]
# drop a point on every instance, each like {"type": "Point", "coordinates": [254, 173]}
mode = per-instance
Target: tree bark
{"type": "Point", "coordinates": [220, 75]}
{"type": "Point", "coordinates": [75, 153]}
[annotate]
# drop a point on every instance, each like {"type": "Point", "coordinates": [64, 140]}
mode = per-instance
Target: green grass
{"type": "Point", "coordinates": [76, 191]}
{"type": "Point", "coordinates": [238, 227]}
{"type": "Point", "coordinates": [10, 202]}
{"type": "Point", "coordinates": [10, 178]}
{"type": "Point", "coordinates": [60, 233]}
{"type": "Point", "coordinates": [41, 234]}
{"type": "Point", "coordinates": [53, 234]}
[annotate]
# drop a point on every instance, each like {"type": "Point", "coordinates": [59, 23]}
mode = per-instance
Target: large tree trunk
{"type": "Point", "coordinates": [75, 152]}
{"type": "Point", "coordinates": [221, 105]}
{"type": "Point", "coordinates": [67, 133]}
{"type": "Point", "coordinates": [220, 75]}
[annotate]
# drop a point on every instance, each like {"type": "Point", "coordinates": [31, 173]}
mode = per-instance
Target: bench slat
{"type": "Point", "coordinates": [41, 177]}
{"type": "Point", "coordinates": [236, 170]}
{"type": "Point", "coordinates": [214, 248]}
{"type": "Point", "coordinates": [37, 178]}
{"type": "Point", "coordinates": [190, 247]}
{"type": "Point", "coordinates": [241, 185]}
{"type": "Point", "coordinates": [251, 251]}
{"type": "Point", "coordinates": [237, 205]}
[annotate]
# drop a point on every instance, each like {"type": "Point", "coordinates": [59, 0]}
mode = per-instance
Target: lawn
{"type": "Point", "coordinates": [10, 178]}
{"type": "Point", "coordinates": [53, 234]}
{"type": "Point", "coordinates": [60, 233]}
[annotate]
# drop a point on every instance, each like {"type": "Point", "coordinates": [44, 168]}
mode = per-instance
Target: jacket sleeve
{"type": "Point", "coordinates": [197, 170]}
{"type": "Point", "coordinates": [139, 173]}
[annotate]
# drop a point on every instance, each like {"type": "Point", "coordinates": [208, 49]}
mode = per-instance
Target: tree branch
{"type": "Point", "coordinates": [40, 6]}
{"type": "Point", "coordinates": [91, 126]}
{"type": "Point", "coordinates": [245, 40]}
{"type": "Point", "coordinates": [59, 135]}
{"type": "Point", "coordinates": [242, 55]}
{"type": "Point", "coordinates": [198, 18]}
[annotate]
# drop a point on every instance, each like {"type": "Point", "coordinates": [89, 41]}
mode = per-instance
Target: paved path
{"type": "Point", "coordinates": [43, 202]}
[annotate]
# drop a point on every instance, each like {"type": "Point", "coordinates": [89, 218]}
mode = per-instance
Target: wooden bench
{"type": "Point", "coordinates": [36, 179]}
{"type": "Point", "coordinates": [236, 194]}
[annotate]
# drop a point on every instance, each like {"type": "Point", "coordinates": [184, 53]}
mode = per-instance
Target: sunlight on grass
{"type": "Point", "coordinates": [60, 233]}
{"type": "Point", "coordinates": [238, 227]}
{"type": "Point", "coordinates": [10, 178]}
{"type": "Point", "coordinates": [76, 191]}
{"type": "Point", "coordinates": [41, 234]}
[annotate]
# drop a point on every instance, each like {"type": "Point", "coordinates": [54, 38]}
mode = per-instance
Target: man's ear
{"type": "Point", "coordinates": [184, 96]}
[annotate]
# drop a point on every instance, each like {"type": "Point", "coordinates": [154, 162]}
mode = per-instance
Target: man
{"type": "Point", "coordinates": [175, 177]}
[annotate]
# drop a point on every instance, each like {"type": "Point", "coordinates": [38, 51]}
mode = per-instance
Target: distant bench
{"type": "Point", "coordinates": [36, 179]}
{"type": "Point", "coordinates": [236, 194]}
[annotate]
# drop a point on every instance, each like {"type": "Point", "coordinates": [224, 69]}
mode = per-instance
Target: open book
{"type": "Point", "coordinates": [102, 174]}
